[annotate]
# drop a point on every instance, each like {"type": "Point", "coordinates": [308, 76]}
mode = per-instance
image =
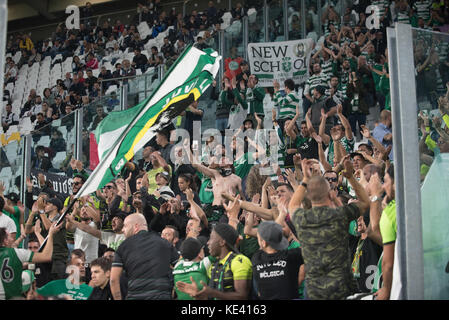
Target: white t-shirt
{"type": "Point", "coordinates": [87, 242]}
{"type": "Point", "coordinates": [7, 223]}
{"type": "Point", "coordinates": [112, 239]}
{"type": "Point", "coordinates": [24, 255]}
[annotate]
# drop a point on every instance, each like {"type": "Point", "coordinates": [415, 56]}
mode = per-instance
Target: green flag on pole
{"type": "Point", "coordinates": [123, 133]}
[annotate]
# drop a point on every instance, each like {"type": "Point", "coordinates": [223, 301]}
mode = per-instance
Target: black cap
{"type": "Point", "coordinates": [164, 175]}
{"type": "Point", "coordinates": [228, 234]}
{"type": "Point", "coordinates": [14, 197]}
{"type": "Point", "coordinates": [250, 120]}
{"type": "Point", "coordinates": [271, 232]}
{"type": "Point", "coordinates": [120, 214]}
{"type": "Point", "coordinates": [190, 248]}
{"type": "Point", "coordinates": [56, 202]}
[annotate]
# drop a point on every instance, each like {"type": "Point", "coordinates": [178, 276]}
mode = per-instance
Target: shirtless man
{"type": "Point", "coordinates": [223, 181]}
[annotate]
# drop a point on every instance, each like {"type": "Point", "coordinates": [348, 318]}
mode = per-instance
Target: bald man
{"type": "Point", "coordinates": [323, 234]}
{"type": "Point", "coordinates": [133, 224]}
{"type": "Point", "coordinates": [146, 258]}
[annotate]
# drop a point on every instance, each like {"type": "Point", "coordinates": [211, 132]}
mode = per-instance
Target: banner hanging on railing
{"type": "Point", "coordinates": [280, 61]}
{"type": "Point", "coordinates": [61, 183]}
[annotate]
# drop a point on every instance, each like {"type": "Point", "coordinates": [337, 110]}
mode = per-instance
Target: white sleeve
{"type": "Point", "coordinates": [24, 255]}
{"type": "Point", "coordinates": [8, 224]}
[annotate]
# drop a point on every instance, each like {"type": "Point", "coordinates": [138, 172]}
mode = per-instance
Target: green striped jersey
{"type": "Point", "coordinates": [327, 67]}
{"type": "Point", "coordinates": [315, 80]}
{"type": "Point", "coordinates": [327, 31]}
{"type": "Point", "coordinates": [403, 17]}
{"type": "Point", "coordinates": [442, 49]}
{"type": "Point", "coordinates": [422, 9]}
{"type": "Point", "coordinates": [344, 40]}
{"type": "Point", "coordinates": [369, 58]}
{"type": "Point", "coordinates": [287, 104]}
{"type": "Point", "coordinates": [381, 5]}
{"type": "Point", "coordinates": [347, 144]}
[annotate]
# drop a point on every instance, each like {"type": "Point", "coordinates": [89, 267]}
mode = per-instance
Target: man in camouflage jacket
{"type": "Point", "coordinates": [323, 233]}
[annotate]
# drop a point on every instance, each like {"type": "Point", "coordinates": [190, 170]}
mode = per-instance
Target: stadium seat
{"type": "Point", "coordinates": [62, 129]}
{"type": "Point", "coordinates": [252, 15]}
{"type": "Point", "coordinates": [6, 171]}
{"type": "Point", "coordinates": [144, 30]}
{"type": "Point", "coordinates": [59, 158]}
{"type": "Point", "coordinates": [44, 141]}
{"type": "Point", "coordinates": [26, 126]}
{"type": "Point", "coordinates": [111, 89]}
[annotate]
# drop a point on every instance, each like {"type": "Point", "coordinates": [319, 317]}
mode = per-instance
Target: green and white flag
{"type": "Point", "coordinates": [123, 133]}
{"type": "Point", "coordinates": [280, 61]}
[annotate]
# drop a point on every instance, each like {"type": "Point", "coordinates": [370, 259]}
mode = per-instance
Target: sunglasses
{"type": "Point", "coordinates": [108, 187]}
{"type": "Point", "coordinates": [332, 179]}
{"type": "Point", "coordinates": [77, 183]}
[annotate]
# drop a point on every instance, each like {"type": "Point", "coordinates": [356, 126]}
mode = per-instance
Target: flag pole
{"type": "Point", "coordinates": [61, 218]}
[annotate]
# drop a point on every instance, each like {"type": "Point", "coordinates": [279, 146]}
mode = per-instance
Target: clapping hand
{"type": "Point", "coordinates": [365, 132]}
{"type": "Point", "coordinates": [291, 178]}
{"type": "Point", "coordinates": [348, 172]}
{"type": "Point", "coordinates": [189, 194]}
{"type": "Point", "coordinates": [192, 289]}
{"type": "Point", "coordinates": [233, 208]}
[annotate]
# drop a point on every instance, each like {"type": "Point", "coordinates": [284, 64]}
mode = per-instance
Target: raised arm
{"type": "Point", "coordinates": [360, 192]}
{"type": "Point", "coordinates": [321, 154]}
{"type": "Point", "coordinates": [344, 122]}
{"type": "Point", "coordinates": [47, 252]}
{"type": "Point", "coordinates": [300, 192]}
{"type": "Point", "coordinates": [374, 188]}
{"type": "Point", "coordinates": [84, 227]}
{"type": "Point", "coordinates": [198, 210]}
{"type": "Point", "coordinates": [267, 214]}
{"type": "Point", "coordinates": [323, 135]}
{"type": "Point", "coordinates": [249, 229]}
{"type": "Point", "coordinates": [366, 133]}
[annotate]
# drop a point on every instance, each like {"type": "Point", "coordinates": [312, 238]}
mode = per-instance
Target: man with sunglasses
{"type": "Point", "coordinates": [78, 182]}
{"type": "Point", "coordinates": [332, 178]}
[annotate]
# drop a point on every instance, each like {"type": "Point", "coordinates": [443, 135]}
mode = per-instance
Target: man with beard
{"type": "Point", "coordinates": [83, 240]}
{"type": "Point", "coordinates": [110, 239]}
{"type": "Point", "coordinates": [78, 182]}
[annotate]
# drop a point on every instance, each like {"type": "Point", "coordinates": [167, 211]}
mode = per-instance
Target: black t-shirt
{"type": "Point", "coordinates": [101, 294]}
{"type": "Point", "coordinates": [369, 257]}
{"type": "Point", "coordinates": [276, 275]}
{"type": "Point", "coordinates": [146, 258]}
{"type": "Point", "coordinates": [308, 149]}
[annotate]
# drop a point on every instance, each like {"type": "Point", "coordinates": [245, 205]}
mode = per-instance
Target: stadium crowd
{"type": "Point", "coordinates": [316, 219]}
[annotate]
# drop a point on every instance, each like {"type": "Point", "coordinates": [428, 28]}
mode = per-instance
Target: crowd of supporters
{"type": "Point", "coordinates": [315, 219]}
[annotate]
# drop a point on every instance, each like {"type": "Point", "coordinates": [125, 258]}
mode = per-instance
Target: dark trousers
{"type": "Point", "coordinates": [356, 118]}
